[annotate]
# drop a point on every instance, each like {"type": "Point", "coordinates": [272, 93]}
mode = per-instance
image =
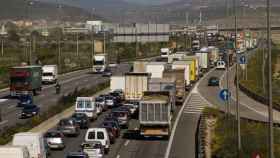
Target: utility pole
{"type": "Point", "coordinates": [2, 46]}
{"type": "Point", "coordinates": [239, 148]}
{"type": "Point", "coordinates": [270, 102]}
{"type": "Point", "coordinates": [77, 43]}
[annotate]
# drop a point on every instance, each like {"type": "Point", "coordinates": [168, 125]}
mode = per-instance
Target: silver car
{"type": "Point", "coordinates": [68, 127]}
{"type": "Point", "coordinates": [54, 139]}
{"type": "Point", "coordinates": [93, 149]}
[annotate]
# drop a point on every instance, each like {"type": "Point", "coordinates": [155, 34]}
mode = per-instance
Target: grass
{"type": "Point", "coordinates": [254, 137]}
{"type": "Point", "coordinates": [255, 74]}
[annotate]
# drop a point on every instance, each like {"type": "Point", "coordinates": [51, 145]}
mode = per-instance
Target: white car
{"type": "Point", "coordinates": [93, 149]}
{"type": "Point", "coordinates": [98, 134]}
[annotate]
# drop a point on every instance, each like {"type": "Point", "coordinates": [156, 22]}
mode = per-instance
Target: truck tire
{"type": "Point", "coordinates": [34, 92]}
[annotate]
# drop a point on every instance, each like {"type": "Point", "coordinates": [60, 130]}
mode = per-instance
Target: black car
{"type": "Point", "coordinates": [77, 155]}
{"type": "Point", "coordinates": [213, 81]}
{"type": "Point", "coordinates": [81, 119]}
{"type": "Point", "coordinates": [116, 96]}
{"type": "Point", "coordinates": [113, 124]}
{"type": "Point", "coordinates": [107, 73]}
{"type": "Point", "coordinates": [29, 111]}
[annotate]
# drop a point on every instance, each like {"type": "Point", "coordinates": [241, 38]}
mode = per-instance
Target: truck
{"type": "Point", "coordinates": [139, 66]}
{"type": "Point", "coordinates": [155, 114]}
{"type": "Point", "coordinates": [203, 55]}
{"type": "Point", "coordinates": [99, 63]}
{"type": "Point", "coordinates": [135, 85]}
{"type": "Point", "coordinates": [25, 80]}
{"type": "Point", "coordinates": [14, 152]}
{"type": "Point", "coordinates": [156, 69]}
{"type": "Point", "coordinates": [177, 65]}
{"type": "Point", "coordinates": [34, 142]}
{"type": "Point", "coordinates": [50, 74]}
{"type": "Point", "coordinates": [166, 85]}
{"type": "Point", "coordinates": [176, 56]}
{"type": "Point", "coordinates": [179, 76]}
{"type": "Point", "coordinates": [213, 55]}
{"type": "Point", "coordinates": [195, 45]}
{"type": "Point", "coordinates": [195, 61]}
{"type": "Point", "coordinates": [164, 52]}
{"type": "Point", "coordinates": [117, 83]}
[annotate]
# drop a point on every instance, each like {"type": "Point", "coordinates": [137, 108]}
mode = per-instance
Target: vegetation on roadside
{"type": "Point", "coordinates": [254, 136]}
{"type": "Point", "coordinates": [64, 102]}
{"type": "Point", "coordinates": [256, 82]}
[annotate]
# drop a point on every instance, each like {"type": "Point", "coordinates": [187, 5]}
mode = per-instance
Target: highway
{"type": "Point", "coordinates": [47, 98]}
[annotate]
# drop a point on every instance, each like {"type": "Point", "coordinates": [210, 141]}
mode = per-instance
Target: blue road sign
{"type": "Point", "coordinates": [224, 94]}
{"type": "Point", "coordinates": [242, 59]}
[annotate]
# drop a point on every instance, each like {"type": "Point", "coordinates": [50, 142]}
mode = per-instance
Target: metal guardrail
{"type": "Point", "coordinates": [200, 137]}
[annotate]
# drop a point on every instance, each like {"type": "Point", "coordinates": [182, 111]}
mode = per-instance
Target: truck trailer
{"type": "Point", "coordinates": [25, 80]}
{"type": "Point", "coordinates": [155, 114]}
{"type": "Point", "coordinates": [135, 85]}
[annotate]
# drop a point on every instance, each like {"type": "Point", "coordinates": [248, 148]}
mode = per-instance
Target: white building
{"type": "Point", "coordinates": [95, 26]}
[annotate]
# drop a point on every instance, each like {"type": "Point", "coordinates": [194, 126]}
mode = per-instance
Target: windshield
{"type": "Point", "coordinates": [97, 62]}
{"type": "Point", "coordinates": [47, 74]}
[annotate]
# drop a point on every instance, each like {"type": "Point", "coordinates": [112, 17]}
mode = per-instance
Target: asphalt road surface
{"type": "Point", "coordinates": [47, 97]}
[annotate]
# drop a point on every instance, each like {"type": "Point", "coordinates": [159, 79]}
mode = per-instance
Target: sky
{"type": "Point", "coordinates": [152, 2]}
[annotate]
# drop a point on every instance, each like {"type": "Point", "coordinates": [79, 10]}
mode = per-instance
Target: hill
{"type": "Point", "coordinates": [18, 9]}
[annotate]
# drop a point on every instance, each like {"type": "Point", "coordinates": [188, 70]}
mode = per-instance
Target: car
{"type": "Point", "coordinates": [113, 124]}
{"type": "Point", "coordinates": [25, 100]}
{"type": "Point", "coordinates": [81, 119]}
{"type": "Point", "coordinates": [116, 96]}
{"type": "Point", "coordinates": [132, 108]}
{"type": "Point", "coordinates": [68, 126]}
{"type": "Point", "coordinates": [122, 117]}
{"type": "Point", "coordinates": [98, 134]}
{"type": "Point", "coordinates": [29, 111]}
{"type": "Point", "coordinates": [120, 92]}
{"type": "Point", "coordinates": [124, 108]}
{"type": "Point", "coordinates": [213, 81]}
{"type": "Point", "coordinates": [110, 117]}
{"type": "Point", "coordinates": [77, 155]}
{"type": "Point", "coordinates": [55, 139]}
{"type": "Point", "coordinates": [93, 149]}
{"type": "Point", "coordinates": [100, 100]}
{"type": "Point", "coordinates": [107, 72]}
{"type": "Point", "coordinates": [110, 101]}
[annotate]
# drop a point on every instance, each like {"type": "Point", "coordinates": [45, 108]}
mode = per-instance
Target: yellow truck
{"type": "Point", "coordinates": [194, 67]}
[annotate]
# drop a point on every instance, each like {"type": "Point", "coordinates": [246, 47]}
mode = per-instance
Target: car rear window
{"type": "Point", "coordinates": [88, 104]}
{"type": "Point", "coordinates": [100, 135]}
{"type": "Point", "coordinates": [91, 135]}
{"type": "Point", "coordinates": [66, 122]}
{"type": "Point", "coordinates": [52, 135]}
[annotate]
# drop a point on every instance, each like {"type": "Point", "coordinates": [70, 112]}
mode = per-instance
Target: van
{"type": "Point", "coordinates": [87, 106]}
{"type": "Point", "coordinates": [14, 152]}
{"type": "Point", "coordinates": [221, 65]}
{"type": "Point", "coordinates": [33, 141]}
{"type": "Point", "coordinates": [98, 134]}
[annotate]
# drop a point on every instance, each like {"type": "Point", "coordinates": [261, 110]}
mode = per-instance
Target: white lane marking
{"type": "Point", "coordinates": [3, 100]}
{"type": "Point", "coordinates": [118, 156]}
{"type": "Point", "coordinates": [195, 90]}
{"type": "Point", "coordinates": [126, 143]}
{"type": "Point", "coordinates": [234, 99]}
{"type": "Point", "coordinates": [4, 122]}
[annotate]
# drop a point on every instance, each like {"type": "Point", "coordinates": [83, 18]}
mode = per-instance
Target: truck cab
{"type": "Point", "coordinates": [99, 63]}
{"type": "Point", "coordinates": [164, 52]}
{"type": "Point", "coordinates": [50, 74]}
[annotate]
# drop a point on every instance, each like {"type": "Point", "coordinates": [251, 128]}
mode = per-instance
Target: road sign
{"type": "Point", "coordinates": [224, 94]}
{"type": "Point", "coordinates": [256, 155]}
{"type": "Point", "coordinates": [242, 59]}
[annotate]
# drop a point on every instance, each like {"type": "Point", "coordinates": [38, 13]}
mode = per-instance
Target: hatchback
{"type": "Point", "coordinates": [55, 139]}
{"type": "Point", "coordinates": [93, 149]}
{"type": "Point", "coordinates": [81, 119]}
{"type": "Point", "coordinates": [213, 81]}
{"type": "Point", "coordinates": [29, 111]}
{"type": "Point", "coordinates": [68, 127]}
{"type": "Point", "coordinates": [98, 134]}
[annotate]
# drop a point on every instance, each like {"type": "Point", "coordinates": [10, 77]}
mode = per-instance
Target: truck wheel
{"type": "Point", "coordinates": [34, 92]}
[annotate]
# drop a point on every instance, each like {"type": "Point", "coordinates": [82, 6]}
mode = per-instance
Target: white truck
{"type": "Point", "coordinates": [34, 143]}
{"type": "Point", "coordinates": [135, 85]}
{"type": "Point", "coordinates": [155, 114]}
{"type": "Point", "coordinates": [99, 63]}
{"type": "Point", "coordinates": [203, 55]}
{"type": "Point", "coordinates": [139, 66]}
{"type": "Point", "coordinates": [14, 152]}
{"type": "Point", "coordinates": [155, 69]}
{"type": "Point", "coordinates": [50, 74]}
{"type": "Point", "coordinates": [183, 65]}
{"type": "Point", "coordinates": [117, 83]}
{"type": "Point", "coordinates": [164, 52]}
{"type": "Point", "coordinates": [195, 45]}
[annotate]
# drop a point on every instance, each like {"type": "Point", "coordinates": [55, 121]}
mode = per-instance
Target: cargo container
{"type": "Point", "coordinates": [139, 66]}
{"type": "Point", "coordinates": [155, 114]}
{"type": "Point", "coordinates": [155, 69]}
{"type": "Point", "coordinates": [179, 76]}
{"type": "Point", "coordinates": [117, 83]}
{"type": "Point", "coordinates": [25, 80]}
{"type": "Point", "coordinates": [135, 85]}
{"type": "Point", "coordinates": [203, 58]}
{"type": "Point", "coordinates": [194, 59]}
{"type": "Point", "coordinates": [177, 65]}
{"type": "Point", "coordinates": [164, 84]}
{"type": "Point", "coordinates": [14, 152]}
